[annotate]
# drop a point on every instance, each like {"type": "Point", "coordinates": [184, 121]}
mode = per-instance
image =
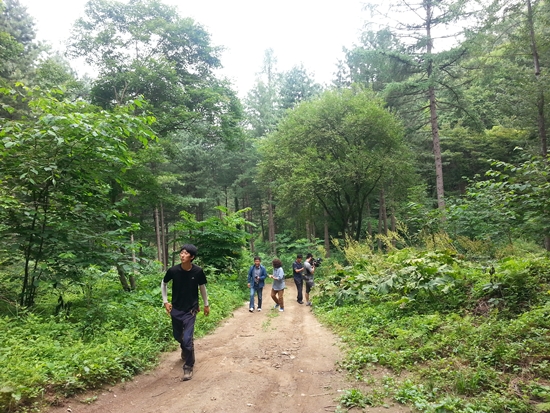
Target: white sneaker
{"type": "Point", "coordinates": [259, 309]}
{"type": "Point", "coordinates": [251, 309]}
{"type": "Point", "coordinates": [281, 309]}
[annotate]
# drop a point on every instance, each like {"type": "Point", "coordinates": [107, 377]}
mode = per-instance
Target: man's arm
{"type": "Point", "coordinates": [164, 292]}
{"type": "Point", "coordinates": [204, 296]}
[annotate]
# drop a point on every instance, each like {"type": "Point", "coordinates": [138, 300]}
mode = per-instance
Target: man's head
{"type": "Point", "coordinates": [309, 256]}
{"type": "Point", "coordinates": [189, 249]}
{"type": "Point", "coordinates": [299, 257]}
{"type": "Point", "coordinates": [257, 261]}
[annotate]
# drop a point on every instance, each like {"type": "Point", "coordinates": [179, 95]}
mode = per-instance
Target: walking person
{"type": "Point", "coordinates": [308, 276]}
{"type": "Point", "coordinates": [278, 288]}
{"type": "Point", "coordinates": [256, 280]}
{"type": "Point", "coordinates": [297, 271]}
{"type": "Point", "coordinates": [187, 279]}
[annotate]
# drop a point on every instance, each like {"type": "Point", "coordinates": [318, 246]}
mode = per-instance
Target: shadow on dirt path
{"type": "Point", "coordinates": [259, 362]}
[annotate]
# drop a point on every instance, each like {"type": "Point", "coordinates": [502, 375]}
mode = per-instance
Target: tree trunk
{"type": "Point", "coordinates": [271, 223]}
{"type": "Point", "coordinates": [122, 278]}
{"type": "Point", "coordinates": [369, 226]}
{"type": "Point", "coordinates": [157, 233]}
{"type": "Point", "coordinates": [433, 115]}
{"type": "Point", "coordinates": [174, 248]}
{"type": "Point", "coordinates": [541, 122]}
{"type": "Point", "coordinates": [540, 100]}
{"type": "Point", "coordinates": [393, 226]}
{"type": "Point", "coordinates": [382, 219]}
{"type": "Point", "coordinates": [134, 262]}
{"type": "Point", "coordinates": [327, 239]}
{"type": "Point", "coordinates": [163, 239]}
{"type": "Point", "coordinates": [262, 224]}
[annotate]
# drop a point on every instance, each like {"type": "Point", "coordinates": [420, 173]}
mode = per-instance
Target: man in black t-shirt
{"type": "Point", "coordinates": [187, 279]}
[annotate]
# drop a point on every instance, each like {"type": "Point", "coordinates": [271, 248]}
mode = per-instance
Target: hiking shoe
{"type": "Point", "coordinates": [187, 373]}
{"type": "Point", "coordinates": [251, 309]}
{"type": "Point", "coordinates": [281, 309]}
{"type": "Point", "coordinates": [309, 303]}
{"type": "Point", "coordinates": [300, 302]}
{"type": "Point", "coordinates": [276, 306]}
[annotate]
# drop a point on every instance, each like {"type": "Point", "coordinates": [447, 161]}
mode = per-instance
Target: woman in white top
{"type": "Point", "coordinates": [278, 288]}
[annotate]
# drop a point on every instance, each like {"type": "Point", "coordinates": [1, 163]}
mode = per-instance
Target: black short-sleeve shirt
{"type": "Point", "coordinates": [185, 286]}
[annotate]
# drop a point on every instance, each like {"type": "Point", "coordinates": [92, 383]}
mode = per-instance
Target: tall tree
{"type": "Point", "coordinates": [145, 48]}
{"type": "Point", "coordinates": [296, 85]}
{"type": "Point", "coordinates": [261, 102]}
{"type": "Point", "coordinates": [421, 74]}
{"type": "Point", "coordinates": [60, 166]}
{"type": "Point", "coordinates": [349, 144]}
{"type": "Point", "coordinates": [18, 50]}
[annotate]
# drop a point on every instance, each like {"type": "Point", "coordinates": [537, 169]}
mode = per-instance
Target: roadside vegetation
{"type": "Point", "coordinates": [99, 334]}
{"type": "Point", "coordinates": [439, 331]}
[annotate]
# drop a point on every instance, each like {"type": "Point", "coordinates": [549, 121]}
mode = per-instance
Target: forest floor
{"type": "Point", "coordinates": [266, 362]}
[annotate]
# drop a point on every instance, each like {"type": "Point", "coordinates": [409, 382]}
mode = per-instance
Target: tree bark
{"type": "Point", "coordinates": [382, 218]}
{"type": "Point", "coordinates": [271, 222]}
{"type": "Point", "coordinates": [540, 100]}
{"type": "Point", "coordinates": [433, 113]}
{"type": "Point", "coordinates": [134, 260]}
{"type": "Point", "coordinates": [393, 224]}
{"type": "Point", "coordinates": [327, 239]}
{"type": "Point", "coordinates": [163, 239]}
{"type": "Point", "coordinates": [122, 278]}
{"type": "Point", "coordinates": [157, 233]}
{"type": "Point", "coordinates": [541, 121]}
{"type": "Point", "coordinates": [369, 226]}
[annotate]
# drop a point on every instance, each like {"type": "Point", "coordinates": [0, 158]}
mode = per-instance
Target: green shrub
{"type": "Point", "coordinates": [106, 337]}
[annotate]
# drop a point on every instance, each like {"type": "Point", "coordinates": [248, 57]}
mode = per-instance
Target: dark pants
{"type": "Point", "coordinates": [254, 289]}
{"type": "Point", "coordinates": [299, 286]}
{"type": "Point", "coordinates": [183, 327]}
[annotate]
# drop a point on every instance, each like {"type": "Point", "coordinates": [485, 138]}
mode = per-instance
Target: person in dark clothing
{"type": "Point", "coordinates": [297, 270]}
{"type": "Point", "coordinates": [187, 279]}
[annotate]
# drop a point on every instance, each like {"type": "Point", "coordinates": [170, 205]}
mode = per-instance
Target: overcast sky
{"type": "Point", "coordinates": [312, 32]}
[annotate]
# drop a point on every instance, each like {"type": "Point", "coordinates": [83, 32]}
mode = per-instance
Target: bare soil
{"type": "Point", "coordinates": [259, 362]}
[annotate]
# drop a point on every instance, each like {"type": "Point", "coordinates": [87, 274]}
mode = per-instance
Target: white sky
{"type": "Point", "coordinates": [312, 32]}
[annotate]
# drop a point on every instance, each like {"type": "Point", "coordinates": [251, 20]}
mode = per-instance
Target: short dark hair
{"type": "Point", "coordinates": [299, 256]}
{"type": "Point", "coordinates": [309, 255]}
{"type": "Point", "coordinates": [191, 249]}
{"type": "Point", "coordinates": [257, 258]}
{"type": "Point", "coordinates": [277, 263]}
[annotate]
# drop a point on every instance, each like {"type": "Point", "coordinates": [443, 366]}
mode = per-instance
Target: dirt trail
{"type": "Point", "coordinates": [267, 361]}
